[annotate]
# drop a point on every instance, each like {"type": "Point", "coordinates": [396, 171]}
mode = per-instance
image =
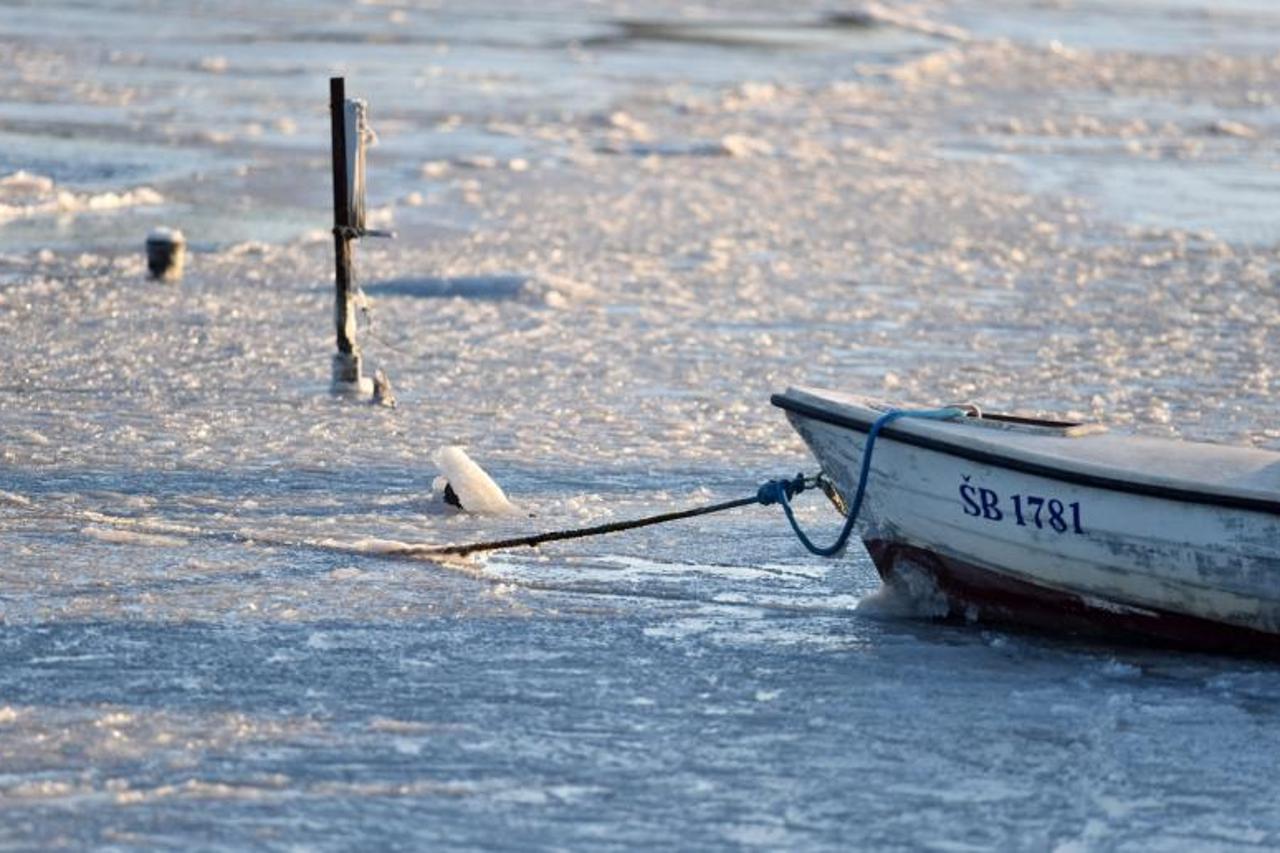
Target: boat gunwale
{"type": "Point", "coordinates": [1039, 469]}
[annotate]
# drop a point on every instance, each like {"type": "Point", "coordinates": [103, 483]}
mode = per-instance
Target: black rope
{"type": "Point", "coordinates": [558, 535]}
{"type": "Point", "coordinates": [774, 491]}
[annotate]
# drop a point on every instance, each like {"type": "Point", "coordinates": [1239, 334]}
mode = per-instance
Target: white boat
{"type": "Point", "coordinates": [1062, 526]}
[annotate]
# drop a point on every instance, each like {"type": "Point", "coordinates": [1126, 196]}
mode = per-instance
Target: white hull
{"type": "Point", "coordinates": [1047, 519]}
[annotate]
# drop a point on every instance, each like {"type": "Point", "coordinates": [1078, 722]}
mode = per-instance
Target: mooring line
{"type": "Point", "coordinates": [537, 539]}
{"type": "Point", "coordinates": [779, 491]}
{"type": "Point", "coordinates": [268, 539]}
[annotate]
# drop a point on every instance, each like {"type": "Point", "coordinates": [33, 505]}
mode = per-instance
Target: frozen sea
{"type": "Point", "coordinates": [622, 225]}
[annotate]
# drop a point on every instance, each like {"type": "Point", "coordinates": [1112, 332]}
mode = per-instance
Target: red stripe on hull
{"type": "Point", "coordinates": [975, 593]}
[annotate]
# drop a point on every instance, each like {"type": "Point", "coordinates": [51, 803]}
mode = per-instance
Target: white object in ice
{"type": "Point", "coordinates": [475, 489]}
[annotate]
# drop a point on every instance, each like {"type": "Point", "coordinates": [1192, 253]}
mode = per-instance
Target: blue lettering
{"type": "Point", "coordinates": [1028, 510]}
{"type": "Point", "coordinates": [990, 505]}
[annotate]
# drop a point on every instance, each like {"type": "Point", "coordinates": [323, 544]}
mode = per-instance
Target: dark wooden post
{"type": "Point", "coordinates": [346, 362]}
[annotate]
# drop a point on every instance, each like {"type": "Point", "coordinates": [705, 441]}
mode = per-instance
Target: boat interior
{"type": "Point", "coordinates": [1021, 423]}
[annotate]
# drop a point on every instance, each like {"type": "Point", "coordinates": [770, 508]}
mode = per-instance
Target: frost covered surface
{"type": "Point", "coordinates": [620, 231]}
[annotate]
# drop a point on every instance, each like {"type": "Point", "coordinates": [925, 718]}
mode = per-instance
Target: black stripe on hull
{"type": "Point", "coordinates": [976, 593]}
{"type": "Point", "coordinates": [1065, 475]}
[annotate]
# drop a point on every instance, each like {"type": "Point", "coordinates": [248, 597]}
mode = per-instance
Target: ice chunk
{"type": "Point", "coordinates": [741, 145]}
{"type": "Point", "coordinates": [116, 536]}
{"type": "Point", "coordinates": [24, 195]}
{"type": "Point", "coordinates": [476, 490]}
{"type": "Point", "coordinates": [382, 393]}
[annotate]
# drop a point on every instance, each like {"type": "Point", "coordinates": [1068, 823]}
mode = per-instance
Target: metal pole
{"type": "Point", "coordinates": [346, 362]}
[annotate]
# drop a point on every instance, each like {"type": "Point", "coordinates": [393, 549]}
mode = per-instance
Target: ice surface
{"type": "Point", "coordinates": [210, 634]}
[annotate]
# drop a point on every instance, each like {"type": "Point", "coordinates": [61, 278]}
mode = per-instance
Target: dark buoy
{"type": "Point", "coordinates": [166, 252]}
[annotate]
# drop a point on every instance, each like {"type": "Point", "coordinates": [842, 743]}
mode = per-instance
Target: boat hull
{"type": "Point", "coordinates": [980, 541]}
{"type": "Point", "coordinates": [974, 593]}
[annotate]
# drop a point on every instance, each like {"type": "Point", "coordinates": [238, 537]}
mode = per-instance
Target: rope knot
{"type": "Point", "coordinates": [776, 491]}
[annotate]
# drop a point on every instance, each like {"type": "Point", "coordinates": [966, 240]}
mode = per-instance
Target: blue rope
{"type": "Point", "coordinates": [781, 491]}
